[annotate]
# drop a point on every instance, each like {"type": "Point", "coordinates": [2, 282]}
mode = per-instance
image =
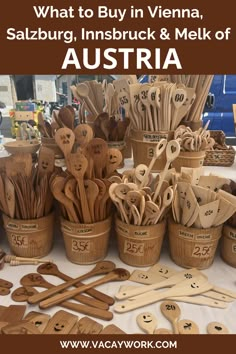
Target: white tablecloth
{"type": "Point", "coordinates": [219, 273]}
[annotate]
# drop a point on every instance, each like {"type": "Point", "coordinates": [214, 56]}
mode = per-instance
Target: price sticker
{"type": "Point", "coordinates": [203, 251]}
{"type": "Point", "coordinates": [19, 241]}
{"type": "Point", "coordinates": [81, 246]}
{"type": "Point", "coordinates": [134, 248]}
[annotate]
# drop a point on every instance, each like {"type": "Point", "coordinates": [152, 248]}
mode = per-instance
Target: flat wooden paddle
{"type": "Point", "coordinates": [118, 274]}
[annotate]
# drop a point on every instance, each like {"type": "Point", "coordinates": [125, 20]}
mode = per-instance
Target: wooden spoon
{"type": "Point", "coordinates": [97, 150]}
{"type": "Point", "coordinates": [172, 151]}
{"type": "Point", "coordinates": [67, 117]}
{"type": "Point", "coordinates": [147, 322]}
{"type": "Point", "coordinates": [78, 166]}
{"type": "Point", "coordinates": [172, 312]}
{"type": "Point", "coordinates": [70, 192]}
{"type": "Point", "coordinates": [187, 327]}
{"type": "Point", "coordinates": [57, 188]}
{"type": "Point", "coordinates": [10, 197]}
{"type": "Point", "coordinates": [83, 91]}
{"type": "Point", "coordinates": [65, 139]}
{"type": "Point", "coordinates": [157, 153]}
{"type": "Point", "coordinates": [83, 134]}
{"type": "Point", "coordinates": [217, 328]}
{"type": "Point", "coordinates": [117, 274]}
{"type": "Point", "coordinates": [36, 280]}
{"type": "Point", "coordinates": [113, 160]}
{"type": "Point", "coordinates": [52, 269]}
{"type": "Point", "coordinates": [92, 192]}
{"type": "Point", "coordinates": [100, 268]}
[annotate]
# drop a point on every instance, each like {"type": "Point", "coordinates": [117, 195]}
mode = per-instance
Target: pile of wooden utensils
{"type": "Point", "coordinates": [184, 286]}
{"type": "Point", "coordinates": [82, 189]}
{"type": "Point", "coordinates": [25, 192]}
{"type": "Point", "coordinates": [134, 199]}
{"type": "Point", "coordinates": [199, 140]}
{"type": "Point", "coordinates": [204, 205]}
{"type": "Point", "coordinates": [160, 105]}
{"type": "Point", "coordinates": [65, 117]}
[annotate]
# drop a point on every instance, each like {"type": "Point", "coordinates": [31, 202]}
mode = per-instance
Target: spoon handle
{"type": "Point", "coordinates": [88, 310]}
{"type": "Point", "coordinates": [92, 292]}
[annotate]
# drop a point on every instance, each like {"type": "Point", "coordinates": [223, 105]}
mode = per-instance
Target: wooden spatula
{"type": "Point", "coordinates": [61, 323]}
{"type": "Point", "coordinates": [173, 280]}
{"type": "Point", "coordinates": [88, 326]}
{"type": "Point", "coordinates": [194, 286]}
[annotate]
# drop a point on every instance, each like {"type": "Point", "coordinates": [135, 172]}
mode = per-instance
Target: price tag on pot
{"type": "Point", "coordinates": [81, 246]}
{"type": "Point", "coordinates": [19, 241]}
{"type": "Point", "coordinates": [234, 247]}
{"type": "Point", "coordinates": [203, 251]}
{"type": "Point", "coordinates": [134, 248]}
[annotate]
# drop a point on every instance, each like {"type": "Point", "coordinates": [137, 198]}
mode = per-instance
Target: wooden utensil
{"type": "Point", "coordinates": [172, 312]}
{"type": "Point", "coordinates": [92, 192]}
{"type": "Point", "coordinates": [112, 329]}
{"type": "Point", "coordinates": [65, 139]}
{"type": "Point", "coordinates": [166, 202]}
{"type": "Point", "coordinates": [163, 331]}
{"type": "Point", "coordinates": [145, 277]}
{"type": "Point", "coordinates": [70, 193]}
{"type": "Point", "coordinates": [151, 212]}
{"type": "Point", "coordinates": [117, 274]}
{"type": "Point", "coordinates": [52, 269]}
{"type": "Point", "coordinates": [187, 327]}
{"type": "Point", "coordinates": [10, 197]}
{"type": "Point", "coordinates": [97, 150]}
{"type": "Point", "coordinates": [13, 313]}
{"type": "Point", "coordinates": [88, 326]}
{"type": "Point", "coordinates": [103, 267]}
{"type": "Point", "coordinates": [207, 213]}
{"type": "Point", "coordinates": [159, 149]}
{"type": "Point", "coordinates": [66, 117]}
{"type": "Point", "coordinates": [217, 328]}
{"type": "Point", "coordinates": [163, 270]}
{"type": "Point", "coordinates": [194, 286]}
{"type": "Point", "coordinates": [201, 300]}
{"type": "Point", "coordinates": [61, 323]}
{"type": "Point", "coordinates": [38, 319]}
{"type": "Point", "coordinates": [173, 280]}
{"type": "Point", "coordinates": [34, 279]}
{"type": "Point", "coordinates": [83, 91]}
{"type": "Point", "coordinates": [83, 134]}
{"type": "Point", "coordinates": [22, 293]}
{"type": "Point", "coordinates": [189, 206]}
{"type": "Point", "coordinates": [113, 161]}
{"type": "Point", "coordinates": [78, 166]}
{"type": "Point", "coordinates": [147, 322]}
{"type": "Point", "coordinates": [4, 291]}
{"type": "Point", "coordinates": [5, 284]}
{"type": "Point", "coordinates": [172, 151]}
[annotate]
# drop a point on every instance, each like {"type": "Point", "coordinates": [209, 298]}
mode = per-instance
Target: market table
{"type": "Point", "coordinates": [219, 273]}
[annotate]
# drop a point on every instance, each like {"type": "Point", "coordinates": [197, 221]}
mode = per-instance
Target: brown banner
{"type": "Point", "coordinates": [182, 344]}
{"type": "Point", "coordinates": [125, 36]}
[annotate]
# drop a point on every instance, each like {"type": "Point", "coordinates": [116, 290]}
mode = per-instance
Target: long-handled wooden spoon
{"type": "Point", "coordinates": [117, 274]}
{"type": "Point", "coordinates": [103, 267]}
{"type": "Point", "coordinates": [52, 269]}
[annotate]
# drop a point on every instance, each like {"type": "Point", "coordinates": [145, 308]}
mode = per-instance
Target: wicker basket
{"type": "Point", "coordinates": [217, 157]}
{"type": "Point", "coordinates": [30, 238]}
{"type": "Point", "coordinates": [228, 245]}
{"type": "Point", "coordinates": [86, 243]}
{"type": "Point", "coordinates": [192, 159]}
{"type": "Point", "coordinates": [143, 145]}
{"type": "Point", "coordinates": [139, 246]}
{"type": "Point", "coordinates": [191, 247]}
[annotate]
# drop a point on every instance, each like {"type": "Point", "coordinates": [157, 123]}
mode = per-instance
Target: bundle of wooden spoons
{"type": "Point", "coordinates": [65, 117]}
{"type": "Point", "coordinates": [136, 202]}
{"type": "Point", "coordinates": [198, 140]}
{"type": "Point", "coordinates": [24, 186]}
